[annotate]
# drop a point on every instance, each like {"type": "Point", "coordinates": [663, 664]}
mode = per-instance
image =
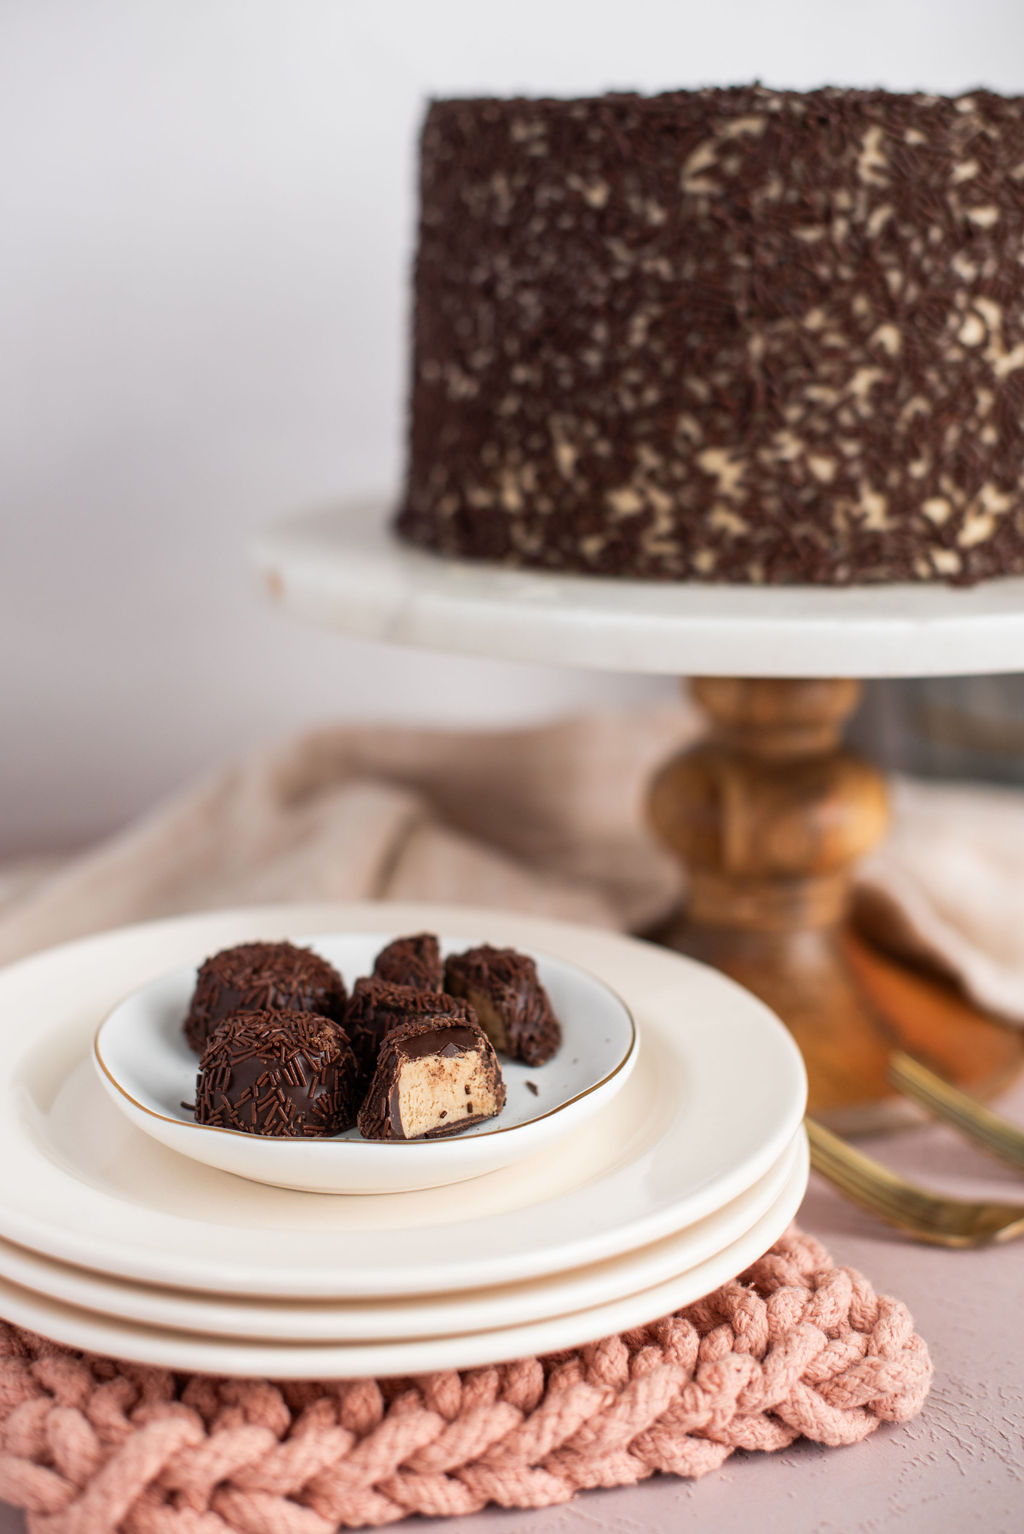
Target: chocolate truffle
{"type": "Point", "coordinates": [258, 976]}
{"type": "Point", "coordinates": [510, 1003]}
{"type": "Point", "coordinates": [376, 1006]}
{"type": "Point", "coordinates": [277, 1073]}
{"type": "Point", "coordinates": [743, 335]}
{"type": "Point", "coordinates": [414, 961]}
{"type": "Point", "coordinates": [435, 1076]}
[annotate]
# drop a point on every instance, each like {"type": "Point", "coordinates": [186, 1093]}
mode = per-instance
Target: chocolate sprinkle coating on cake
{"type": "Point", "coordinates": [435, 1076]}
{"type": "Point", "coordinates": [256, 976]}
{"type": "Point", "coordinates": [414, 961]}
{"type": "Point", "coordinates": [510, 1003]}
{"type": "Point", "coordinates": [277, 1073]}
{"type": "Point", "coordinates": [376, 1006]}
{"type": "Point", "coordinates": [739, 335]}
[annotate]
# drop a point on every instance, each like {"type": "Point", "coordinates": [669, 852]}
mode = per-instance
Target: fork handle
{"type": "Point", "coordinates": [963, 1113]}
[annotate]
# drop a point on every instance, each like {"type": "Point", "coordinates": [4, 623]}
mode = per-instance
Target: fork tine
{"type": "Point", "coordinates": [962, 1112]}
{"type": "Point", "coordinates": [926, 1216]}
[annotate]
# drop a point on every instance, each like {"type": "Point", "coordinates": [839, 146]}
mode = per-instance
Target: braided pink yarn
{"type": "Point", "coordinates": [795, 1346]}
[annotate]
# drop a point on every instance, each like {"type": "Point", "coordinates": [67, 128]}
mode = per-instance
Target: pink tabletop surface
{"type": "Point", "coordinates": [959, 1466]}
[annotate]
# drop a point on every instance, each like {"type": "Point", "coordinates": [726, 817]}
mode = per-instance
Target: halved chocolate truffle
{"type": "Point", "coordinates": [435, 1076]}
{"type": "Point", "coordinates": [262, 976]}
{"type": "Point", "coordinates": [376, 1006]}
{"type": "Point", "coordinates": [277, 1073]}
{"type": "Point", "coordinates": [510, 1003]}
{"type": "Point", "coordinates": [414, 961]}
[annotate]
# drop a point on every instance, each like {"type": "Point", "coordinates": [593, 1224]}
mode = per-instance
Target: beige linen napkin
{"type": "Point", "coordinates": [549, 820]}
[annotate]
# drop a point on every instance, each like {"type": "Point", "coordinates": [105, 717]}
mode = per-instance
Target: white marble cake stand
{"type": "Point", "coordinates": [769, 813]}
{"type": "Point", "coordinates": [340, 566]}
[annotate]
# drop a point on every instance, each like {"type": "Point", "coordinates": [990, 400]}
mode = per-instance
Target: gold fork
{"type": "Point", "coordinates": [926, 1216]}
{"type": "Point", "coordinates": [965, 1114]}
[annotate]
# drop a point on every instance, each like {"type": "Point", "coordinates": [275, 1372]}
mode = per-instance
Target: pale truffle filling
{"type": "Point", "coordinates": [435, 1093]}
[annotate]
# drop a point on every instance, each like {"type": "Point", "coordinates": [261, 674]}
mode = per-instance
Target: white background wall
{"type": "Point", "coordinates": [205, 217]}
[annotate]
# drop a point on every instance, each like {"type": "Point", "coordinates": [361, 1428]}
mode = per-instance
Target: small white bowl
{"type": "Point", "coordinates": [149, 1071]}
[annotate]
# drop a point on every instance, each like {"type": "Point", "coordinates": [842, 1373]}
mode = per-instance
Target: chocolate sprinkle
{"type": "Point", "coordinates": [738, 335]}
{"type": "Point", "coordinates": [277, 1073]}
{"type": "Point", "coordinates": [257, 976]}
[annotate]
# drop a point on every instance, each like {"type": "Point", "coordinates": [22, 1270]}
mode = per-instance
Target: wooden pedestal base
{"type": "Point", "coordinates": [769, 814]}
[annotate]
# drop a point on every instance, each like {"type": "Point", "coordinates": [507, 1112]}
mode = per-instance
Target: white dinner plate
{"type": "Point", "coordinates": [149, 1070]}
{"type": "Point", "coordinates": [425, 1315]}
{"type": "Point", "coordinates": [289, 1360]}
{"type": "Point", "coordinates": [717, 1094]}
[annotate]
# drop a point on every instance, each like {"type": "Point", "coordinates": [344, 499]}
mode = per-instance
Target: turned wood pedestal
{"type": "Point", "coordinates": [769, 814]}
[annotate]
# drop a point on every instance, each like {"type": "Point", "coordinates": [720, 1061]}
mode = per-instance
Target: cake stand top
{"type": "Point", "coordinates": [341, 566]}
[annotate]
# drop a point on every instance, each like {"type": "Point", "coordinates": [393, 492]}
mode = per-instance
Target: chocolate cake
{"type": "Point", "coordinates": [277, 1073]}
{"type": "Point", "coordinates": [435, 1076]}
{"type": "Point", "coordinates": [376, 1006]}
{"type": "Point", "coordinates": [412, 961]}
{"type": "Point", "coordinates": [508, 999]}
{"type": "Point", "coordinates": [739, 335]}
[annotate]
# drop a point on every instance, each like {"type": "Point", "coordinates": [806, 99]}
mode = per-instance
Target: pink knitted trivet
{"type": "Point", "coordinates": [795, 1346]}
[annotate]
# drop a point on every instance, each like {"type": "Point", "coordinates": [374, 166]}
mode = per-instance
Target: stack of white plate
{"type": "Point", "coordinates": [691, 1163]}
